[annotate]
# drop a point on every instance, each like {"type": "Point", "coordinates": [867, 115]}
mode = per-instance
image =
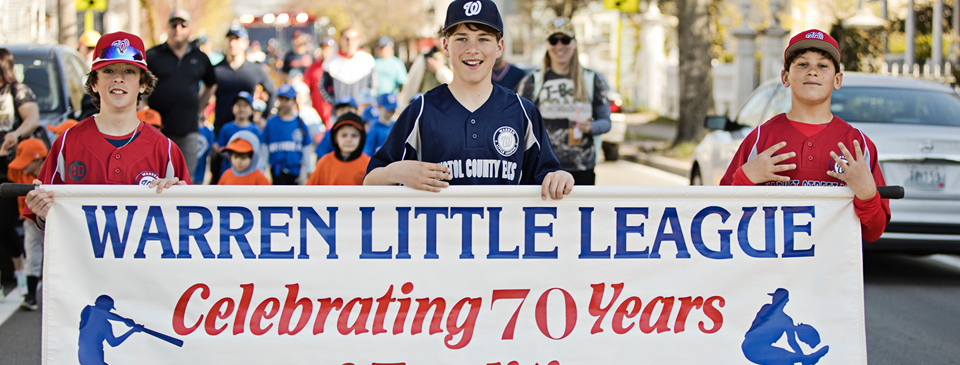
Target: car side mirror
{"type": "Point", "coordinates": [716, 122]}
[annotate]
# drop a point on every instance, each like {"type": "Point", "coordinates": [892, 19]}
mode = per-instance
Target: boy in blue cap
{"type": "Point", "coordinates": [441, 137]}
{"type": "Point", "coordinates": [243, 112]}
{"type": "Point", "coordinates": [287, 140]}
{"type": "Point", "coordinates": [379, 129]}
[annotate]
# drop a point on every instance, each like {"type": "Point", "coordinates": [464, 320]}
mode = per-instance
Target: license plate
{"type": "Point", "coordinates": [926, 177]}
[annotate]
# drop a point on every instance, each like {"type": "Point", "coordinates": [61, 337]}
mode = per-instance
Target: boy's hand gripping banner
{"type": "Point", "coordinates": [472, 275]}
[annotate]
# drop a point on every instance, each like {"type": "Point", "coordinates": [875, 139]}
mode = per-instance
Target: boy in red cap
{"type": "Point", "coordinates": [347, 164]}
{"type": "Point", "coordinates": [23, 170]}
{"type": "Point", "coordinates": [768, 155]}
{"type": "Point", "coordinates": [243, 151]}
{"type": "Point", "coordinates": [112, 147]}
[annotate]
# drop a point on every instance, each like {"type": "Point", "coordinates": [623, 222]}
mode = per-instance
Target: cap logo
{"type": "Point", "coordinates": [559, 22]}
{"type": "Point", "coordinates": [472, 8]}
{"type": "Point", "coordinates": [815, 35]}
{"type": "Point", "coordinates": [121, 45]}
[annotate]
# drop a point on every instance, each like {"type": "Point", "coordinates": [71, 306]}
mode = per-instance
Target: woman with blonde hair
{"type": "Point", "coordinates": [572, 100]}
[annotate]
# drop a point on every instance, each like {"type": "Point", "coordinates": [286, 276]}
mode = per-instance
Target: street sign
{"type": "Point", "coordinates": [627, 6]}
{"type": "Point", "coordinates": [94, 5]}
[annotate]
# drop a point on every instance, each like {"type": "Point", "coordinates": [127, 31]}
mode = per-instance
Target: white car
{"type": "Point", "coordinates": [916, 128]}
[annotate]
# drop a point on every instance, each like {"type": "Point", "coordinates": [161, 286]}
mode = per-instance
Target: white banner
{"type": "Point", "coordinates": [472, 275]}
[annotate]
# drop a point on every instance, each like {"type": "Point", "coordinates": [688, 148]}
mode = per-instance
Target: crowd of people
{"type": "Point", "coordinates": [337, 116]}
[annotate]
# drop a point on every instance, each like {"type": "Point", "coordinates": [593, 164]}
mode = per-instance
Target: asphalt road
{"type": "Point", "coordinates": [912, 302]}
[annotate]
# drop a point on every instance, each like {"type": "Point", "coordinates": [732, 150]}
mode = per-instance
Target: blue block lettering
{"type": "Point", "coordinates": [790, 230]}
{"type": "Point", "coordinates": [494, 234]}
{"type": "Point", "coordinates": [366, 242]}
{"type": "Point", "coordinates": [155, 217]}
{"type": "Point", "coordinates": [198, 234]}
{"type": "Point", "coordinates": [327, 231]}
{"type": "Point", "coordinates": [403, 232]}
{"type": "Point", "coordinates": [676, 234]}
{"type": "Point", "coordinates": [466, 240]}
{"type": "Point", "coordinates": [743, 233]}
{"type": "Point", "coordinates": [531, 229]}
{"type": "Point", "coordinates": [431, 214]}
{"type": "Point", "coordinates": [586, 235]}
{"type": "Point", "coordinates": [623, 229]}
{"type": "Point", "coordinates": [110, 230]}
{"type": "Point", "coordinates": [697, 237]}
{"type": "Point", "coordinates": [239, 233]}
{"type": "Point", "coordinates": [267, 229]}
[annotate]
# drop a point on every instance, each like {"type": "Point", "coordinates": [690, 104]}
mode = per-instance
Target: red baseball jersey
{"type": "Point", "coordinates": [82, 155]}
{"type": "Point", "coordinates": [813, 161]}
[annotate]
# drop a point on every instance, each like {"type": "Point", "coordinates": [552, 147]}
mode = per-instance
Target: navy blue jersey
{"type": "Point", "coordinates": [501, 143]}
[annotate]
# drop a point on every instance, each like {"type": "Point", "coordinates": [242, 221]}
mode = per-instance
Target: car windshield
{"type": "Point", "coordinates": [41, 75]}
{"type": "Point", "coordinates": [891, 105]}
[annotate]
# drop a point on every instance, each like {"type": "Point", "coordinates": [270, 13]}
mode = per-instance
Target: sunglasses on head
{"type": "Point", "coordinates": [176, 24]}
{"type": "Point", "coordinates": [562, 39]}
{"type": "Point", "coordinates": [120, 51]}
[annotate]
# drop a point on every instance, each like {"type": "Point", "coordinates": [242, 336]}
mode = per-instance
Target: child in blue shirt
{"type": "Point", "coordinates": [243, 112]}
{"type": "Point", "coordinates": [379, 129]}
{"type": "Point", "coordinates": [287, 140]}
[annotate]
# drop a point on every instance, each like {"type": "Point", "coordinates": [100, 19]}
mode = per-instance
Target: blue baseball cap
{"type": "Point", "coordinates": [371, 114]}
{"type": "Point", "coordinates": [239, 31]}
{"type": "Point", "coordinates": [287, 91]}
{"type": "Point", "coordinates": [473, 11]}
{"type": "Point", "coordinates": [387, 101]}
{"type": "Point", "coordinates": [245, 96]}
{"type": "Point", "coordinates": [345, 100]}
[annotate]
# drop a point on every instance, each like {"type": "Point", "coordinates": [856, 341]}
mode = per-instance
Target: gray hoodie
{"type": "Point", "coordinates": [255, 161]}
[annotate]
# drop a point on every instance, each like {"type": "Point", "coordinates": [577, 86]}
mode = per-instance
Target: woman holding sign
{"type": "Point", "coordinates": [572, 100]}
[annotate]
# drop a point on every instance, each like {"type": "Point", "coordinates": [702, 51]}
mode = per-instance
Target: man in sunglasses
{"type": "Point", "coordinates": [185, 82]}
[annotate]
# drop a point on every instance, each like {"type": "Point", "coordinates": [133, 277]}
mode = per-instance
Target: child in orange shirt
{"type": "Point", "coordinates": [347, 164]}
{"type": "Point", "coordinates": [23, 170]}
{"type": "Point", "coordinates": [243, 150]}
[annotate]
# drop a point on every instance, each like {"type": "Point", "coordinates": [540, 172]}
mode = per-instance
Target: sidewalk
{"type": "Point", "coordinates": [643, 139]}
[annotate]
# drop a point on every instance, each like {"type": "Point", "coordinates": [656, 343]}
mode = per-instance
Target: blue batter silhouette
{"type": "Point", "coordinates": [772, 323]}
{"type": "Point", "coordinates": [95, 328]}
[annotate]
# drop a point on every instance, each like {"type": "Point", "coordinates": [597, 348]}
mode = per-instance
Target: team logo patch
{"type": "Point", "coordinates": [297, 135]}
{"type": "Point", "coordinates": [472, 8]}
{"type": "Point", "coordinates": [506, 140]}
{"type": "Point", "coordinates": [121, 45]}
{"type": "Point", "coordinates": [815, 35]}
{"type": "Point", "coordinates": [835, 167]}
{"type": "Point", "coordinates": [147, 177]}
{"type": "Point", "coordinates": [76, 170]}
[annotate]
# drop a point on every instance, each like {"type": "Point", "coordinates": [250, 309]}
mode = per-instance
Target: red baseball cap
{"type": "Point", "coordinates": [813, 38]}
{"type": "Point", "coordinates": [28, 150]}
{"type": "Point", "coordinates": [119, 47]}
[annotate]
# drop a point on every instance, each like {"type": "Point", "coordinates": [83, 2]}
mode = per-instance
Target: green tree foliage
{"type": "Point", "coordinates": [861, 50]}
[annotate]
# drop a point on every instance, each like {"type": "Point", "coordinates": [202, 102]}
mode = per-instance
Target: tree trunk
{"type": "Point", "coordinates": [695, 72]}
{"type": "Point", "coordinates": [67, 17]}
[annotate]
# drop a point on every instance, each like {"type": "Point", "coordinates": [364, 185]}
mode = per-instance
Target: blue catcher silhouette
{"type": "Point", "coordinates": [772, 323]}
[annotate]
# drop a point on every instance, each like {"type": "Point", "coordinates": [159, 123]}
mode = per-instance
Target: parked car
{"type": "Point", "coordinates": [56, 75]}
{"type": "Point", "coordinates": [916, 128]}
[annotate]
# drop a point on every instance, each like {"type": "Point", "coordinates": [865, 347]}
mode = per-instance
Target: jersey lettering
{"type": "Point", "coordinates": [76, 170]}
